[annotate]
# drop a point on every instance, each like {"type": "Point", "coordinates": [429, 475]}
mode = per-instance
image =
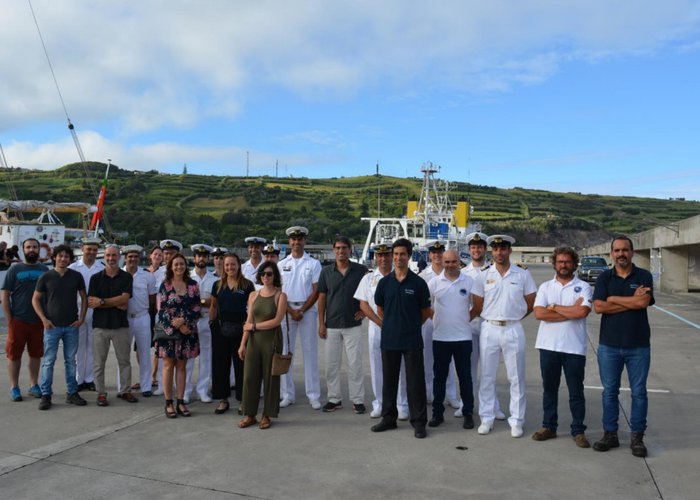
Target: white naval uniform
{"type": "Point", "coordinates": [250, 271]}
{"type": "Point", "coordinates": [159, 276]}
{"type": "Point", "coordinates": [144, 285]}
{"type": "Point", "coordinates": [504, 301]}
{"type": "Point", "coordinates": [298, 277]}
{"type": "Point", "coordinates": [365, 291]}
{"type": "Point", "coordinates": [83, 372]}
{"type": "Point", "coordinates": [206, 284]}
{"type": "Point", "coordinates": [427, 331]}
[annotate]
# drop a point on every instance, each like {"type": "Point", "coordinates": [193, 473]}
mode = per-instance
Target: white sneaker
{"type": "Point", "coordinates": [516, 431]}
{"type": "Point", "coordinates": [484, 429]}
{"type": "Point", "coordinates": [455, 403]}
{"type": "Point", "coordinates": [158, 392]}
{"type": "Point", "coordinates": [285, 402]}
{"type": "Point", "coordinates": [375, 413]}
{"type": "Point", "coordinates": [204, 398]}
{"type": "Point", "coordinates": [500, 415]}
{"type": "Point", "coordinates": [403, 415]}
{"type": "Point", "coordinates": [458, 412]}
{"type": "Point", "coordinates": [315, 404]}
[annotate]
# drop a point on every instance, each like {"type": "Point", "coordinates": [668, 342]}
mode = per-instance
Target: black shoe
{"type": "Point", "coordinates": [182, 409]}
{"type": "Point", "coordinates": [45, 403]}
{"type": "Point", "coordinates": [75, 399]}
{"type": "Point", "coordinates": [170, 409]}
{"type": "Point", "coordinates": [609, 440]}
{"type": "Point", "coordinates": [147, 394]}
{"type": "Point", "coordinates": [359, 409]}
{"type": "Point", "coordinates": [81, 387]}
{"type": "Point", "coordinates": [90, 386]}
{"type": "Point", "coordinates": [383, 426]}
{"type": "Point", "coordinates": [220, 410]}
{"type": "Point", "coordinates": [329, 407]}
{"type": "Point", "coordinates": [435, 421]}
{"type": "Point", "coordinates": [468, 422]}
{"type": "Point", "coordinates": [637, 445]}
{"type": "Point", "coordinates": [420, 433]}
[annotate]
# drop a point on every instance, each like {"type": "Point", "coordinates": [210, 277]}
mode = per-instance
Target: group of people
{"type": "Point", "coordinates": [427, 335]}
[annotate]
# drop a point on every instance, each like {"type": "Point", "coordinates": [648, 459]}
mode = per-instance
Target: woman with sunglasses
{"type": "Point", "coordinates": [229, 304]}
{"type": "Point", "coordinates": [262, 337]}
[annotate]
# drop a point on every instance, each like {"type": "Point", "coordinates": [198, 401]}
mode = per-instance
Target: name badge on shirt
{"type": "Point", "coordinates": [462, 292]}
{"type": "Point", "coordinates": [286, 269]}
{"type": "Point", "coordinates": [490, 282]}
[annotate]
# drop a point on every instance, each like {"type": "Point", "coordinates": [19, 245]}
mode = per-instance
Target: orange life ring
{"type": "Point", "coordinates": [49, 251]}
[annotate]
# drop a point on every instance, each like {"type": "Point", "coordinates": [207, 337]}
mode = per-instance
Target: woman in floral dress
{"type": "Point", "coordinates": [178, 312]}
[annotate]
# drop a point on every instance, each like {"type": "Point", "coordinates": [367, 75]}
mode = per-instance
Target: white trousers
{"type": "Point", "coordinates": [307, 329]}
{"type": "Point", "coordinates": [140, 330]}
{"type": "Point", "coordinates": [352, 339]}
{"type": "Point", "coordinates": [451, 386]}
{"type": "Point", "coordinates": [204, 374]}
{"type": "Point", "coordinates": [377, 376]}
{"type": "Point", "coordinates": [509, 340]}
{"type": "Point", "coordinates": [475, 365]}
{"type": "Point", "coordinates": [84, 360]}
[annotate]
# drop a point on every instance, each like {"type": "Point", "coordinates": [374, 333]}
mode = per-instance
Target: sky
{"type": "Point", "coordinates": [587, 96]}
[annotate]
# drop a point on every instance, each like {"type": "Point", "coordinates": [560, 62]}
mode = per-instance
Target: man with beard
{"type": "Point", "coordinates": [250, 267]}
{"type": "Point", "coordinates": [55, 301]}
{"type": "Point", "coordinates": [87, 266]}
{"type": "Point", "coordinates": [271, 253]}
{"type": "Point", "coordinates": [206, 280]}
{"type": "Point", "coordinates": [504, 294]}
{"type": "Point", "coordinates": [300, 274]}
{"type": "Point", "coordinates": [476, 242]}
{"type": "Point", "coordinates": [622, 295]}
{"type": "Point", "coordinates": [108, 295]}
{"type": "Point", "coordinates": [562, 305]}
{"type": "Point", "coordinates": [144, 294]}
{"type": "Point", "coordinates": [24, 328]}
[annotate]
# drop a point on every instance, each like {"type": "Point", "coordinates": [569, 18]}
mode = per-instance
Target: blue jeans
{"type": "Point", "coordinates": [574, 365]}
{"type": "Point", "coordinates": [611, 361]}
{"type": "Point", "coordinates": [69, 335]}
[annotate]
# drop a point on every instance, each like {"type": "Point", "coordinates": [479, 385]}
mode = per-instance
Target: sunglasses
{"type": "Point", "coordinates": [269, 274]}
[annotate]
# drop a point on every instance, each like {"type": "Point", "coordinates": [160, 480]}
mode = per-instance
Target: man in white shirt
{"type": "Point", "coordinates": [250, 267]}
{"type": "Point", "coordinates": [562, 305]}
{"type": "Point", "coordinates": [300, 274]}
{"type": "Point", "coordinates": [142, 296]}
{"type": "Point", "coordinates": [503, 295]}
{"type": "Point", "coordinates": [450, 296]}
{"type": "Point", "coordinates": [86, 266]}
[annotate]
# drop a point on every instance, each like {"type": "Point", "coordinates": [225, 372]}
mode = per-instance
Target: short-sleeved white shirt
{"type": "Point", "coordinates": [428, 274]}
{"type": "Point", "coordinates": [299, 276]}
{"type": "Point", "coordinates": [570, 336]}
{"type": "Point", "coordinates": [86, 272]}
{"type": "Point", "coordinates": [206, 283]}
{"type": "Point", "coordinates": [249, 270]}
{"type": "Point", "coordinates": [504, 297]}
{"type": "Point", "coordinates": [365, 291]}
{"type": "Point", "coordinates": [144, 285]}
{"type": "Point", "coordinates": [159, 275]}
{"type": "Point", "coordinates": [451, 301]}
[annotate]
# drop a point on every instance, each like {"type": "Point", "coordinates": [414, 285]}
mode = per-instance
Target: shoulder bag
{"type": "Point", "coordinates": [281, 362]}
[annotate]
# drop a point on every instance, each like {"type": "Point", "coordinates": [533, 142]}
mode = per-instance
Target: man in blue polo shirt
{"type": "Point", "coordinates": [622, 295]}
{"type": "Point", "coordinates": [403, 303]}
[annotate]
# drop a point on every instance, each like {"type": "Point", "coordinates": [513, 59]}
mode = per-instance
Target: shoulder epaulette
{"type": "Point", "coordinates": [484, 267]}
{"type": "Point", "coordinates": [521, 266]}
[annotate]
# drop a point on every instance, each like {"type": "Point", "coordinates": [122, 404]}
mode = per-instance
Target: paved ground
{"type": "Point", "coordinates": [133, 451]}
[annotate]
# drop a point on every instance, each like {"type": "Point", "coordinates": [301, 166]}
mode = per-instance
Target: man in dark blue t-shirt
{"type": "Point", "coordinates": [622, 295]}
{"type": "Point", "coordinates": [403, 303]}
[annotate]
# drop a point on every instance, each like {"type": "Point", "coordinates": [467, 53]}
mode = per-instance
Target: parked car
{"type": "Point", "coordinates": [591, 267]}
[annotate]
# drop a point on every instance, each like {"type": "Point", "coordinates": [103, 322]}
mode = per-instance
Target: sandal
{"type": "Point", "coordinates": [182, 409]}
{"type": "Point", "coordinates": [247, 422]}
{"type": "Point", "coordinates": [136, 387]}
{"type": "Point", "coordinates": [169, 410]}
{"type": "Point", "coordinates": [222, 408]}
{"type": "Point", "coordinates": [265, 423]}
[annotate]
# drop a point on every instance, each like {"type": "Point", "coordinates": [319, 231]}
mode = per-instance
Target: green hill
{"type": "Point", "coordinates": [224, 210]}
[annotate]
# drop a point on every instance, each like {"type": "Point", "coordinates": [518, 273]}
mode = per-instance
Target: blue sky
{"type": "Point", "coordinates": [582, 96]}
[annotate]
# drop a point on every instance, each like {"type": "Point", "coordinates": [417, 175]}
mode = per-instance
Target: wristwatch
{"type": "Point", "coordinates": [102, 302]}
{"type": "Point", "coordinates": [203, 301]}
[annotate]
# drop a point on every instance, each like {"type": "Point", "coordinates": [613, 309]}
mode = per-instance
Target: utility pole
{"type": "Point", "coordinates": [277, 166]}
{"type": "Point", "coordinates": [247, 163]}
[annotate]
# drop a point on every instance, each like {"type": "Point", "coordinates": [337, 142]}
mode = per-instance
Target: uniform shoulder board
{"type": "Point", "coordinates": [521, 266]}
{"type": "Point", "coordinates": [484, 267]}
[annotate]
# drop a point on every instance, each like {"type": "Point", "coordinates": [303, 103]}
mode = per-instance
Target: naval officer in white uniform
{"type": "Point", "coordinates": [250, 267]}
{"type": "Point", "coordinates": [87, 266]}
{"type": "Point", "coordinates": [503, 295]}
{"type": "Point", "coordinates": [300, 274]}
{"type": "Point", "coordinates": [205, 279]}
{"type": "Point", "coordinates": [142, 296]}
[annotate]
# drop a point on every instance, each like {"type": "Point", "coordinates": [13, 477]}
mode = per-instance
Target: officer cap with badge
{"type": "Point", "coordinates": [477, 238]}
{"type": "Point", "coordinates": [91, 241]}
{"type": "Point", "coordinates": [170, 245]}
{"type": "Point", "coordinates": [500, 240]}
{"type": "Point", "coordinates": [255, 240]}
{"type": "Point", "coordinates": [297, 232]}
{"type": "Point", "coordinates": [381, 248]}
{"type": "Point", "coordinates": [132, 249]}
{"type": "Point", "coordinates": [219, 251]}
{"type": "Point", "coordinates": [436, 246]}
{"type": "Point", "coordinates": [201, 249]}
{"type": "Point", "coordinates": [270, 249]}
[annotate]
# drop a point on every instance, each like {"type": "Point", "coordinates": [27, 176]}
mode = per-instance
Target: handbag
{"type": "Point", "coordinates": [231, 330]}
{"type": "Point", "coordinates": [161, 335]}
{"type": "Point", "coordinates": [282, 362]}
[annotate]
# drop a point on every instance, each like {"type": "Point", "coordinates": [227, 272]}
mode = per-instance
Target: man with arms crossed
{"type": "Point", "coordinates": [58, 289]}
{"type": "Point", "coordinates": [622, 295]}
{"type": "Point", "coordinates": [562, 305]}
{"type": "Point", "coordinates": [403, 305]}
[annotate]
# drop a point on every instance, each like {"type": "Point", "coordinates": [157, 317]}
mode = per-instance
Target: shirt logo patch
{"type": "Point", "coordinates": [577, 289]}
{"type": "Point", "coordinates": [462, 292]}
{"type": "Point", "coordinates": [490, 282]}
{"type": "Point", "coordinates": [409, 291]}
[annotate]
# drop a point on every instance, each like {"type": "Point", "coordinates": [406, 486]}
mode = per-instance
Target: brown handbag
{"type": "Point", "coordinates": [282, 362]}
